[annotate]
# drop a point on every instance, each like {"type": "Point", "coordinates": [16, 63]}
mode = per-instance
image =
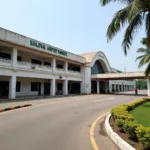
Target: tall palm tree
{"type": "Point", "coordinates": [145, 57]}
{"type": "Point", "coordinates": [135, 13]}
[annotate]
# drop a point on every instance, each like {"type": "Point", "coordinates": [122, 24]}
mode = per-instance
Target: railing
{"type": "Point", "coordinates": [4, 60]}
{"type": "Point", "coordinates": [60, 69]}
{"type": "Point", "coordinates": [26, 65]}
{"type": "Point", "coordinates": [72, 71]}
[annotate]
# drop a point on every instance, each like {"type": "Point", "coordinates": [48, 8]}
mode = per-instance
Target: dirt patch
{"type": "Point", "coordinates": [125, 136]}
{"type": "Point", "coordinates": [102, 128]}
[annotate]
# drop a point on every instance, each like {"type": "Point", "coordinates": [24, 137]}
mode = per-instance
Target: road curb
{"type": "Point", "coordinates": [115, 138]}
{"type": "Point", "coordinates": [15, 107]}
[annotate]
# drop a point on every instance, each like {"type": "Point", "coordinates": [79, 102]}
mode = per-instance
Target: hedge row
{"type": "Point", "coordinates": [127, 124]}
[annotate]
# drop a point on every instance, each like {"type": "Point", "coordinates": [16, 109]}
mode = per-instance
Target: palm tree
{"type": "Point", "coordinates": [135, 13]}
{"type": "Point", "coordinates": [145, 57]}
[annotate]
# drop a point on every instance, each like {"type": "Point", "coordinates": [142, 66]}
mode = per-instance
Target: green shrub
{"type": "Point", "coordinates": [143, 135]}
{"type": "Point", "coordinates": [126, 122]}
{"type": "Point", "coordinates": [121, 112]}
{"type": "Point", "coordinates": [120, 123]}
{"type": "Point", "coordinates": [135, 104]}
{"type": "Point", "coordinates": [129, 127]}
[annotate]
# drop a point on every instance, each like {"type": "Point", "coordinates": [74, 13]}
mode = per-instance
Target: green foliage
{"type": "Point", "coordinates": [121, 112]}
{"type": "Point", "coordinates": [145, 57]}
{"type": "Point", "coordinates": [141, 84]}
{"type": "Point", "coordinates": [135, 14]}
{"type": "Point", "coordinates": [133, 105]}
{"type": "Point", "coordinates": [126, 123]}
{"type": "Point", "coordinates": [143, 134]}
{"type": "Point", "coordinates": [129, 127]}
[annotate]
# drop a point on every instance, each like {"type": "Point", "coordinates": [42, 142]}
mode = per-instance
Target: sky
{"type": "Point", "coordinates": [78, 26]}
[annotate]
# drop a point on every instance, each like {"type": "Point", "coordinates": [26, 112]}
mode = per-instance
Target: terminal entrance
{"type": "Point", "coordinates": [74, 87]}
{"type": "Point", "coordinates": [102, 87]}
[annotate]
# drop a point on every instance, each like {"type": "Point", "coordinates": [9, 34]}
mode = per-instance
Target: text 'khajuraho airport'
{"type": "Point", "coordinates": [29, 67]}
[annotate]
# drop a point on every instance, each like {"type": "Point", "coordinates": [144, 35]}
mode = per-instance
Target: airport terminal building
{"type": "Point", "coordinates": [29, 67]}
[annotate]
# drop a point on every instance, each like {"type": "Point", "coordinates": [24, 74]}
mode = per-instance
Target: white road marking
{"type": "Point", "coordinates": [103, 100]}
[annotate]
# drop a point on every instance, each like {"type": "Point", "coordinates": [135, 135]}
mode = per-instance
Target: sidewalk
{"type": "Point", "coordinates": [31, 100]}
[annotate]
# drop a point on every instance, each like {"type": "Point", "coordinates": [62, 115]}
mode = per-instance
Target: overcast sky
{"type": "Point", "coordinates": [78, 26]}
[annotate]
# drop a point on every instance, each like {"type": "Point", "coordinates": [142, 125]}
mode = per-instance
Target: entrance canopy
{"type": "Point", "coordinates": [119, 76]}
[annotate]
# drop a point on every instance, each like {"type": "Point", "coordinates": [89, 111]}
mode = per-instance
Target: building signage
{"type": "Point", "coordinates": [46, 47]}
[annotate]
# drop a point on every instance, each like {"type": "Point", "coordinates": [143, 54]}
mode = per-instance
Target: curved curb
{"type": "Point", "coordinates": [115, 138]}
{"type": "Point", "coordinates": [15, 107]}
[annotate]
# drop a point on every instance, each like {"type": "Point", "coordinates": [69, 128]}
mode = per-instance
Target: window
{"type": "Point", "coordinates": [34, 86]}
{"type": "Point", "coordinates": [18, 86]}
{"type": "Point", "coordinates": [59, 66]}
{"type": "Point", "coordinates": [47, 64]}
{"type": "Point", "coordinates": [97, 68]}
{"type": "Point", "coordinates": [4, 55]}
{"type": "Point", "coordinates": [19, 58]}
{"type": "Point", "coordinates": [37, 62]}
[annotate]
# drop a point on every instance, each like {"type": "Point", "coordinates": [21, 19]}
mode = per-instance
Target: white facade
{"type": "Point", "coordinates": [30, 68]}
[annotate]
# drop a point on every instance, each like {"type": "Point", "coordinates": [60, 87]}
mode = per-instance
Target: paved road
{"type": "Point", "coordinates": [58, 124]}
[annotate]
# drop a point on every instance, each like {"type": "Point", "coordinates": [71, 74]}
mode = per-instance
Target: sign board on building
{"type": "Point", "coordinates": [47, 47]}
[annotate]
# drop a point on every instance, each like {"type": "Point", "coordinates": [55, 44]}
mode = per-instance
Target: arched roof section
{"type": "Point", "coordinates": [92, 57]}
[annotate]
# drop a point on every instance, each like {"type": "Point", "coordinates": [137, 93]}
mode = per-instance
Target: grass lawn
{"type": "Point", "coordinates": [142, 114]}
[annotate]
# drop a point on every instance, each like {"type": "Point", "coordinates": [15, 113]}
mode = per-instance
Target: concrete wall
{"type": "Point", "coordinates": [18, 39]}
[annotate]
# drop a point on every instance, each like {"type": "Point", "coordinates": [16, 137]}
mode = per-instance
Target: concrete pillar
{"type": "Point", "coordinates": [118, 88]}
{"type": "Point", "coordinates": [122, 87]}
{"type": "Point", "coordinates": [66, 67]}
{"type": "Point", "coordinates": [12, 87]}
{"type": "Point", "coordinates": [114, 87]}
{"type": "Point", "coordinates": [148, 86]}
{"type": "Point", "coordinates": [54, 65]}
{"type": "Point", "coordinates": [65, 87]}
{"type": "Point", "coordinates": [98, 90]}
{"type": "Point", "coordinates": [53, 87]}
{"type": "Point", "coordinates": [42, 88]}
{"type": "Point", "coordinates": [110, 88]}
{"type": "Point", "coordinates": [14, 57]}
{"type": "Point", "coordinates": [106, 87]}
{"type": "Point", "coordinates": [87, 78]}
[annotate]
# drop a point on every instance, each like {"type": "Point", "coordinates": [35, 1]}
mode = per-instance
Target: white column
{"type": "Point", "coordinates": [12, 87]}
{"type": "Point", "coordinates": [87, 78]}
{"type": "Point", "coordinates": [110, 88]}
{"type": "Point", "coordinates": [65, 87]}
{"type": "Point", "coordinates": [148, 86]}
{"type": "Point", "coordinates": [122, 87]}
{"type": "Point", "coordinates": [114, 87]}
{"type": "Point", "coordinates": [66, 67]}
{"type": "Point", "coordinates": [98, 90]}
{"type": "Point", "coordinates": [106, 87]}
{"type": "Point", "coordinates": [42, 88]}
{"type": "Point", "coordinates": [14, 57]}
{"type": "Point", "coordinates": [53, 87]}
{"type": "Point", "coordinates": [54, 65]}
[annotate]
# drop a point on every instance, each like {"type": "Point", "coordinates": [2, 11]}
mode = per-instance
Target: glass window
{"type": "Point", "coordinates": [97, 68]}
{"type": "Point", "coordinates": [47, 64]}
{"type": "Point", "coordinates": [5, 55]}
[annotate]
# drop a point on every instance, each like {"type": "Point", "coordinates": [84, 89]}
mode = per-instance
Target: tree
{"type": "Point", "coordinates": [135, 13]}
{"type": "Point", "coordinates": [141, 84]}
{"type": "Point", "coordinates": [145, 57]}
